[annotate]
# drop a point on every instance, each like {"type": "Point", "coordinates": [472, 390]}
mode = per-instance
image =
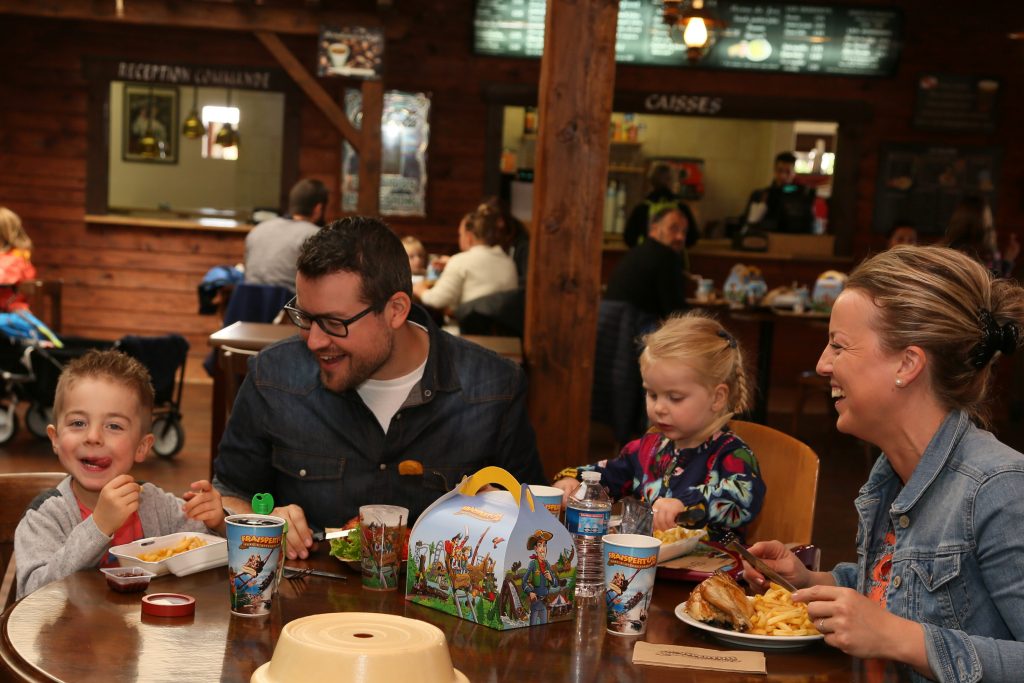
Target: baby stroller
{"type": "Point", "coordinates": [41, 365]}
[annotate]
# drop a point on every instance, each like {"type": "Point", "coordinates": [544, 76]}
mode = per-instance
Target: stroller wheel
{"type": "Point", "coordinates": [8, 423]}
{"type": "Point", "coordinates": [170, 437]}
{"type": "Point", "coordinates": [37, 418]}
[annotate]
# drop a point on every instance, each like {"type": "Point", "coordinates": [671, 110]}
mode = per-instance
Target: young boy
{"type": "Point", "coordinates": [102, 413]}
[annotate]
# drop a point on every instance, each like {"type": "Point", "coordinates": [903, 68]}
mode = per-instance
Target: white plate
{"type": "Point", "coordinates": [213, 554]}
{"type": "Point", "coordinates": [685, 546]}
{"type": "Point", "coordinates": [746, 639]}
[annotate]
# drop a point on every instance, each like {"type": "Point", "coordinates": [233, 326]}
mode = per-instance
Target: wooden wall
{"type": "Point", "coordinates": [126, 280]}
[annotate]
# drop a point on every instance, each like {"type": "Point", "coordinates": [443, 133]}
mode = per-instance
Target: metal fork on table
{"type": "Point", "coordinates": [300, 573]}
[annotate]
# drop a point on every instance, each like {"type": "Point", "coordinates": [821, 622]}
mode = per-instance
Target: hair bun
{"type": "Point", "coordinates": [994, 338]}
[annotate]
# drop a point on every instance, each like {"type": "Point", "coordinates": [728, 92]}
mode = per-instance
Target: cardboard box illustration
{"type": "Point", "coordinates": [496, 558]}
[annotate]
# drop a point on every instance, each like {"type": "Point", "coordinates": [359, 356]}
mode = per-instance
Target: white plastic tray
{"type": "Point", "coordinates": [213, 554]}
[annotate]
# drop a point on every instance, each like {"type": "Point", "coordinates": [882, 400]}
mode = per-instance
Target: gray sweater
{"type": "Point", "coordinates": [53, 541]}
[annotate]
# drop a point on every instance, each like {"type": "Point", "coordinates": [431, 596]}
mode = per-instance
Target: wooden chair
{"type": "Point", "coordinates": [17, 490]}
{"type": "Point", "coordinates": [233, 364]}
{"type": "Point", "coordinates": [790, 471]}
{"type": "Point", "coordinates": [53, 292]}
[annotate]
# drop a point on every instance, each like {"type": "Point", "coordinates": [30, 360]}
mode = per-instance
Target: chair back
{"type": "Point", "coordinates": [256, 303]}
{"type": "Point", "coordinates": [233, 364]}
{"type": "Point", "coordinates": [790, 471]}
{"type": "Point", "coordinates": [17, 490]}
{"type": "Point", "coordinates": [50, 290]}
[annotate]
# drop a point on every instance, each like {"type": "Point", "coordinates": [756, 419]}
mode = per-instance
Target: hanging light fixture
{"type": "Point", "coordinates": [691, 23]}
{"type": "Point", "coordinates": [227, 136]}
{"type": "Point", "coordinates": [149, 147]}
{"type": "Point", "coordinates": [193, 126]}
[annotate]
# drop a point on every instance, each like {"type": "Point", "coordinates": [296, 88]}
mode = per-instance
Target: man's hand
{"type": "Point", "coordinates": [300, 538]}
{"type": "Point", "coordinates": [203, 503]}
{"type": "Point", "coordinates": [118, 500]}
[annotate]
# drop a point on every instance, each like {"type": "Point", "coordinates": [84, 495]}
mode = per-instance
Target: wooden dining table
{"type": "Point", "coordinates": [256, 336]}
{"type": "Point", "coordinates": [79, 631]}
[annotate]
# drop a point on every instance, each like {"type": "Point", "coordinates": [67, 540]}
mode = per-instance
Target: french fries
{"type": "Point", "coordinates": [677, 533]}
{"type": "Point", "coordinates": [775, 614]}
{"type": "Point", "coordinates": [186, 543]}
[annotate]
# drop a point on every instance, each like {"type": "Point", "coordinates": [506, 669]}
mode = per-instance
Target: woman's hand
{"type": "Point", "coordinates": [781, 559]}
{"type": "Point", "coordinates": [861, 627]}
{"type": "Point", "coordinates": [665, 512]}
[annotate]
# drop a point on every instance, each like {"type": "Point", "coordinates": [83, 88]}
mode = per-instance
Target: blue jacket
{"type": "Point", "coordinates": [958, 562]}
{"type": "Point", "coordinates": [326, 452]}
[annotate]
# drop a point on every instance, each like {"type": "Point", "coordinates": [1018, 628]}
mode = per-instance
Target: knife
{"type": "Point", "coordinates": [319, 536]}
{"type": "Point", "coordinates": [758, 564]}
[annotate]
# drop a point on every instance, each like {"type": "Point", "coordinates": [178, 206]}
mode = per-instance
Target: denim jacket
{"type": "Point", "coordinates": [959, 552]}
{"type": "Point", "coordinates": [324, 451]}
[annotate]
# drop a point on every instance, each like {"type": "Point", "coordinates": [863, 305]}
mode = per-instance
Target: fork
{"type": "Point", "coordinates": [297, 574]}
{"type": "Point", "coordinates": [729, 540]}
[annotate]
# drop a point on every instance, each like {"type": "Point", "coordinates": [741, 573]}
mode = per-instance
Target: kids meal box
{"type": "Point", "coordinates": [496, 558]}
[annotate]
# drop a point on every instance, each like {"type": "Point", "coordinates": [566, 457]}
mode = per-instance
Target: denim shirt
{"type": "Point", "coordinates": [326, 452]}
{"type": "Point", "coordinates": [958, 560]}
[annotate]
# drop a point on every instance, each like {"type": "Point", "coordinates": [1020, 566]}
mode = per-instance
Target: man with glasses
{"type": "Point", "coordinates": [371, 403]}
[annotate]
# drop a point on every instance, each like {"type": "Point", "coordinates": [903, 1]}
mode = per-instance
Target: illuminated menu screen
{"type": "Point", "coordinates": [860, 41]}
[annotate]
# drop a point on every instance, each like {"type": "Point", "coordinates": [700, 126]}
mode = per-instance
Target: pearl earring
{"type": "Point", "coordinates": [899, 382]}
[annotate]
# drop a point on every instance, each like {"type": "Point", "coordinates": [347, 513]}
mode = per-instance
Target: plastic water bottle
{"type": "Point", "coordinates": [586, 518]}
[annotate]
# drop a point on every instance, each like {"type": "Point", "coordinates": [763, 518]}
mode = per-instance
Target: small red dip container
{"type": "Point", "coordinates": [127, 579]}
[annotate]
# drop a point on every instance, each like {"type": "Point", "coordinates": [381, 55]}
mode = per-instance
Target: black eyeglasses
{"type": "Point", "coordinates": [336, 327]}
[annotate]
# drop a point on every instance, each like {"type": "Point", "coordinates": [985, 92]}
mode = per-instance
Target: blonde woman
{"type": "Point", "coordinates": [936, 586]}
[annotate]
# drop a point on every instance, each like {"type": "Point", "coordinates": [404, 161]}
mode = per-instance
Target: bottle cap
{"type": "Point", "coordinates": [263, 503]}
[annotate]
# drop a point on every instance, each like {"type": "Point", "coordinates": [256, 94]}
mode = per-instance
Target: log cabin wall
{"type": "Point", "coordinates": [141, 280]}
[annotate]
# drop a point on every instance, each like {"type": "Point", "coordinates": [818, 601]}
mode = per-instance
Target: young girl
{"type": "Point", "coordinates": [15, 266]}
{"type": "Point", "coordinates": [689, 460]}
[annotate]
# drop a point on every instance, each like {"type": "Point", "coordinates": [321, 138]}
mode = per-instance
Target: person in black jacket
{"type": "Point", "coordinates": [652, 276]}
{"type": "Point", "coordinates": [783, 206]}
{"type": "Point", "coordinates": [661, 196]}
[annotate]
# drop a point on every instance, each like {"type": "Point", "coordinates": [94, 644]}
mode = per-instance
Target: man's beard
{"type": "Point", "coordinates": [359, 370]}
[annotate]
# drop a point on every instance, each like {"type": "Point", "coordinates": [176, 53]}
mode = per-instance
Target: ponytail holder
{"type": "Point", "coordinates": [731, 340]}
{"type": "Point", "coordinates": [995, 338]}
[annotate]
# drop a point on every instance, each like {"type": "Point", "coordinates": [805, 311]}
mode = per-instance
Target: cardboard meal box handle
{"type": "Point", "coordinates": [494, 475]}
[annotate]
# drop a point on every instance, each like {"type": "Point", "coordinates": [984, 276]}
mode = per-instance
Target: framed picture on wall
{"type": "Point", "coordinates": [150, 124]}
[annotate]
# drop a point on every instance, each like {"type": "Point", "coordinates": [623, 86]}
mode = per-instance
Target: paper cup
{"type": "Point", "coordinates": [254, 553]}
{"type": "Point", "coordinates": [629, 568]}
{"type": "Point", "coordinates": [383, 534]}
{"type": "Point", "coordinates": [548, 496]}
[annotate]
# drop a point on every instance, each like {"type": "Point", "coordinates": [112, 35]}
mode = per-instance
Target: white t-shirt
{"type": "Point", "coordinates": [384, 397]}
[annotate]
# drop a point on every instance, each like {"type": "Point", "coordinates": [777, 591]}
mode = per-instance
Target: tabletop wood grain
{"type": "Point", "coordinates": [77, 630]}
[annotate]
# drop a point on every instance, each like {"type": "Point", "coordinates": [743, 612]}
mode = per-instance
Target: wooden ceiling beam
{"type": "Point", "coordinates": [314, 91]}
{"type": "Point", "coordinates": [200, 15]}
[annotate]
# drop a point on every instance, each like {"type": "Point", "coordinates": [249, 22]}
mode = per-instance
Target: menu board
{"type": "Point", "coordinates": [922, 184]}
{"type": "Point", "coordinates": [951, 102]}
{"type": "Point", "coordinates": [861, 41]}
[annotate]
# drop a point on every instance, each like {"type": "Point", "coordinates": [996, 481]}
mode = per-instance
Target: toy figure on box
{"type": "Point", "coordinates": [538, 578]}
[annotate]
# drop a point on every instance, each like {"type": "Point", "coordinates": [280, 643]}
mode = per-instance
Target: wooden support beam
{"type": "Point", "coordinates": [368, 202]}
{"type": "Point", "coordinates": [577, 79]}
{"type": "Point", "coordinates": [313, 90]}
{"type": "Point", "coordinates": [202, 15]}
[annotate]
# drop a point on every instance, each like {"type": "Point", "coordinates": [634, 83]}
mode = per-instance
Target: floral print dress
{"type": "Point", "coordinates": [721, 475]}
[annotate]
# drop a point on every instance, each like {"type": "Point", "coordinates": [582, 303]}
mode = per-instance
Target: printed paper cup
{"type": "Point", "coordinates": [629, 567]}
{"type": "Point", "coordinates": [254, 553]}
{"type": "Point", "coordinates": [383, 533]}
{"type": "Point", "coordinates": [548, 496]}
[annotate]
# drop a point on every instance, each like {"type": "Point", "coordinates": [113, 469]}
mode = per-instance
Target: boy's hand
{"type": "Point", "coordinates": [203, 503]}
{"type": "Point", "coordinates": [118, 500]}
